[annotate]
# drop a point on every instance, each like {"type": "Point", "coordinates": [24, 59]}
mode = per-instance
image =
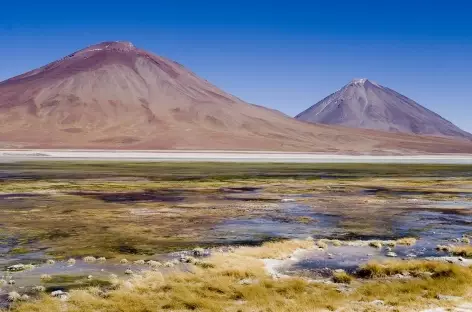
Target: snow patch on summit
{"type": "Point", "coordinates": [363, 81]}
{"type": "Point", "coordinates": [359, 81]}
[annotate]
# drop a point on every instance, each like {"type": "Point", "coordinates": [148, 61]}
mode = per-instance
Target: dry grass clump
{"type": "Point", "coordinates": [322, 244]}
{"type": "Point", "coordinates": [275, 250]}
{"type": "Point", "coordinates": [13, 296]}
{"type": "Point", "coordinates": [408, 241]}
{"type": "Point", "coordinates": [336, 243]}
{"type": "Point", "coordinates": [188, 259]}
{"type": "Point", "coordinates": [240, 283]}
{"type": "Point", "coordinates": [462, 251]}
{"type": "Point", "coordinates": [38, 289]}
{"type": "Point", "coordinates": [375, 244]}
{"type": "Point", "coordinates": [25, 297]}
{"type": "Point", "coordinates": [154, 264]}
{"type": "Point", "coordinates": [415, 294]}
{"type": "Point", "coordinates": [410, 295]}
{"type": "Point", "coordinates": [207, 289]}
{"type": "Point", "coordinates": [204, 264]}
{"type": "Point", "coordinates": [342, 277]}
{"type": "Point", "coordinates": [89, 259]}
{"type": "Point", "coordinates": [306, 220]}
{"type": "Point", "coordinates": [46, 277]}
{"type": "Point", "coordinates": [129, 272]}
{"type": "Point", "coordinates": [414, 268]}
{"type": "Point", "coordinates": [169, 264]}
{"type": "Point", "coordinates": [198, 252]}
{"type": "Point", "coordinates": [444, 248]}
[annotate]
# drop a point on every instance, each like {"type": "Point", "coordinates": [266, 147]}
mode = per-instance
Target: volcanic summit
{"type": "Point", "coordinates": [114, 95]}
{"type": "Point", "coordinates": [365, 104]}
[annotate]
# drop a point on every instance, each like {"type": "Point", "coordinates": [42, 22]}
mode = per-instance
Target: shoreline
{"type": "Point", "coordinates": [12, 155]}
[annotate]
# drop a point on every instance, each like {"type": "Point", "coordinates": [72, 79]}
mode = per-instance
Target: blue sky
{"type": "Point", "coordinates": [284, 55]}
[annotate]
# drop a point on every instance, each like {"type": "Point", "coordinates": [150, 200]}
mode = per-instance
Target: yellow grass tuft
{"type": "Point", "coordinates": [375, 244]}
{"type": "Point", "coordinates": [238, 282]}
{"type": "Point", "coordinates": [203, 290]}
{"type": "Point", "coordinates": [336, 243]}
{"type": "Point", "coordinates": [89, 259]}
{"type": "Point", "coordinates": [275, 250]}
{"type": "Point", "coordinates": [443, 248]}
{"type": "Point", "coordinates": [342, 277]}
{"type": "Point", "coordinates": [408, 241]}
{"type": "Point", "coordinates": [462, 251]}
{"type": "Point", "coordinates": [45, 277]}
{"type": "Point", "coordinates": [413, 267]}
{"type": "Point", "coordinates": [322, 244]}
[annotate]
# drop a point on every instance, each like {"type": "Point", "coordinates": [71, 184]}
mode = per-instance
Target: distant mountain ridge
{"type": "Point", "coordinates": [113, 95]}
{"type": "Point", "coordinates": [365, 104]}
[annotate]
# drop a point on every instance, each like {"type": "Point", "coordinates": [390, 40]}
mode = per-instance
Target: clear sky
{"type": "Point", "coordinates": [285, 55]}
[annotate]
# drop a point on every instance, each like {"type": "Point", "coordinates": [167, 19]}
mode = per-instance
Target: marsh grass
{"type": "Point", "coordinates": [413, 294]}
{"type": "Point", "coordinates": [275, 250]}
{"type": "Point", "coordinates": [19, 251]}
{"type": "Point", "coordinates": [336, 243]}
{"type": "Point", "coordinates": [89, 259]}
{"type": "Point", "coordinates": [376, 244]}
{"type": "Point", "coordinates": [407, 241]}
{"type": "Point", "coordinates": [73, 226]}
{"type": "Point", "coordinates": [444, 248]}
{"type": "Point", "coordinates": [206, 289]}
{"type": "Point", "coordinates": [306, 220]}
{"type": "Point", "coordinates": [428, 280]}
{"type": "Point", "coordinates": [342, 277]}
{"type": "Point", "coordinates": [70, 224]}
{"type": "Point", "coordinates": [462, 251]}
{"type": "Point", "coordinates": [219, 170]}
{"type": "Point", "coordinates": [211, 288]}
{"type": "Point", "coordinates": [322, 244]}
{"type": "Point", "coordinates": [413, 268]}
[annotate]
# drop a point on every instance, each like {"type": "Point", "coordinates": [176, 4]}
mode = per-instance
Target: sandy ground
{"type": "Point", "coordinates": [223, 156]}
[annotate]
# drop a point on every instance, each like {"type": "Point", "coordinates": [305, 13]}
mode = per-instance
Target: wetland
{"type": "Point", "coordinates": [158, 233]}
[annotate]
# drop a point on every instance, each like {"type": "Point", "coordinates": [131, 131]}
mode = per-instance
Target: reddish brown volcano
{"type": "Point", "coordinates": [113, 95]}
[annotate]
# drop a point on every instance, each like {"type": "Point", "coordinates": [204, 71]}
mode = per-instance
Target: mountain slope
{"type": "Point", "coordinates": [366, 104]}
{"type": "Point", "coordinates": [114, 95]}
